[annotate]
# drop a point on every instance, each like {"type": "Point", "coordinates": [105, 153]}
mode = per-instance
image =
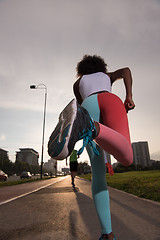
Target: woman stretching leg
{"type": "Point", "coordinates": [109, 118]}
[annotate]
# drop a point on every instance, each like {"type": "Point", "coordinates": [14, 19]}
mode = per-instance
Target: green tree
{"type": "Point", "coordinates": [21, 166]}
{"type": "Point", "coordinates": [5, 164]}
{"type": "Point", "coordinates": [83, 168]}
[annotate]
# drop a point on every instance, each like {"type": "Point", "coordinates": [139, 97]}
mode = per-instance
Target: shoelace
{"type": "Point", "coordinates": [87, 139]}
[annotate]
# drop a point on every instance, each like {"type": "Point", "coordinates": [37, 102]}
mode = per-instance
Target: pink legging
{"type": "Point", "coordinates": [114, 135]}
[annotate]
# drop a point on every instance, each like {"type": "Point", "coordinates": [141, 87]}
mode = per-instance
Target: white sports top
{"type": "Point", "coordinates": [92, 83]}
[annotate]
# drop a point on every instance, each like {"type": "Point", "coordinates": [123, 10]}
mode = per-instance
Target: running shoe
{"type": "Point", "coordinates": [101, 238]}
{"type": "Point", "coordinates": [74, 124]}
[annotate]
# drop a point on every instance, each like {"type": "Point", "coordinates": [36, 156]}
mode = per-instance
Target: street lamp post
{"type": "Point", "coordinates": [42, 86]}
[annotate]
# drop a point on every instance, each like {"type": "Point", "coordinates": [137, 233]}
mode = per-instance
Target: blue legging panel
{"type": "Point", "coordinates": [99, 185]}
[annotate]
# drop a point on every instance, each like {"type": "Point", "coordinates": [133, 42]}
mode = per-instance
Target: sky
{"type": "Point", "coordinates": [41, 42]}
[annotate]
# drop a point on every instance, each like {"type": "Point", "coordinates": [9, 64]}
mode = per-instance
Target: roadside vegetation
{"type": "Point", "coordinates": [21, 181]}
{"type": "Point", "coordinates": [144, 184]}
{"type": "Point", "coordinates": [17, 167]}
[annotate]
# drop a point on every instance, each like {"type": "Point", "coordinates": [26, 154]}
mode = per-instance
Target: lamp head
{"type": "Point", "coordinates": [33, 86]}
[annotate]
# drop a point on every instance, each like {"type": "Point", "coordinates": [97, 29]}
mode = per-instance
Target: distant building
{"type": "Point", "coordinates": [65, 171]}
{"type": "Point", "coordinates": [155, 164]}
{"type": "Point", "coordinates": [141, 155]}
{"type": "Point", "coordinates": [28, 155]}
{"type": "Point", "coordinates": [51, 166]}
{"type": "Point", "coordinates": [3, 154]}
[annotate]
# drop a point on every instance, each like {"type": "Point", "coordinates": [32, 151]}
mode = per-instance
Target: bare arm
{"type": "Point", "coordinates": [126, 75]}
{"type": "Point", "coordinates": [76, 92]}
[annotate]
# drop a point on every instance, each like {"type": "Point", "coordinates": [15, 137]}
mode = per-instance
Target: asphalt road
{"type": "Point", "coordinates": [57, 211]}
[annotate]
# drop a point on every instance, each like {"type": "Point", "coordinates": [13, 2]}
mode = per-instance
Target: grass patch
{"type": "Point", "coordinates": [21, 181]}
{"type": "Point", "coordinates": [145, 184]}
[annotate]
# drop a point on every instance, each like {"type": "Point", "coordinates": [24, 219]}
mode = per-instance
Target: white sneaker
{"type": "Point", "coordinates": [74, 124]}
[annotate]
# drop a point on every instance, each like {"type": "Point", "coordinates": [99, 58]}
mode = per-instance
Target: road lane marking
{"type": "Point", "coordinates": [36, 190]}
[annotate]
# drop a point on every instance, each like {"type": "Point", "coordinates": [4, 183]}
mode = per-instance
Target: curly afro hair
{"type": "Point", "coordinates": [91, 64]}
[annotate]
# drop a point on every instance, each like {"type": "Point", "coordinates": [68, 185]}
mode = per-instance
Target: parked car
{"type": "Point", "coordinates": [3, 176]}
{"type": "Point", "coordinates": [25, 175]}
{"type": "Point", "coordinates": [46, 174]}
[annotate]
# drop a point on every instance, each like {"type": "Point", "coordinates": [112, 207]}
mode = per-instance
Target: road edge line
{"type": "Point", "coordinates": [25, 194]}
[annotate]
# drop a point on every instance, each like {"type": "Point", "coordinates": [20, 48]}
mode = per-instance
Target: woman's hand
{"type": "Point", "coordinates": [125, 74]}
{"type": "Point", "coordinates": [129, 104]}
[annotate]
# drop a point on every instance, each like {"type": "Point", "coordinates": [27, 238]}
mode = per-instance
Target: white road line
{"type": "Point", "coordinates": [25, 194]}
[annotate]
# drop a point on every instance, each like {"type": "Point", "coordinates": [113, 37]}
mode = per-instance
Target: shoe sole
{"type": "Point", "coordinates": [58, 142]}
